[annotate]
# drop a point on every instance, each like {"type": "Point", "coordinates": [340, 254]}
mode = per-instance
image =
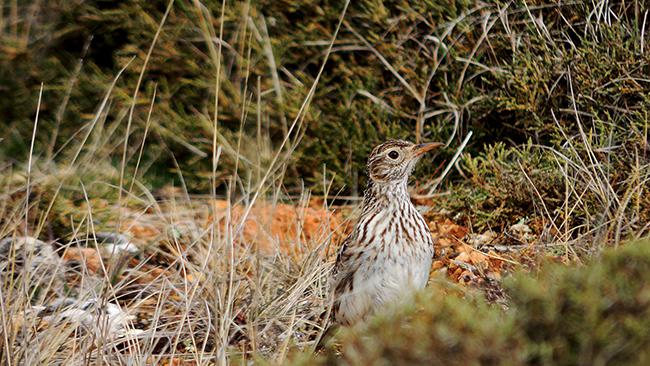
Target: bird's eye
{"type": "Point", "coordinates": [393, 155]}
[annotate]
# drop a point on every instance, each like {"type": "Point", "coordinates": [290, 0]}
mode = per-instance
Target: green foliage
{"type": "Point", "coordinates": [505, 184]}
{"type": "Point", "coordinates": [358, 103]}
{"type": "Point", "coordinates": [556, 94]}
{"type": "Point", "coordinates": [594, 315]}
{"type": "Point", "coordinates": [444, 331]}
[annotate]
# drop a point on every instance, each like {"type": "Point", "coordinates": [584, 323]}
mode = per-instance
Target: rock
{"type": "Point", "coordinates": [83, 258]}
{"type": "Point", "coordinates": [33, 258]}
{"type": "Point", "coordinates": [283, 228]}
{"type": "Point", "coordinates": [478, 240]}
{"type": "Point", "coordinates": [522, 232]}
{"type": "Point", "coordinates": [112, 320]}
{"type": "Point", "coordinates": [112, 243]}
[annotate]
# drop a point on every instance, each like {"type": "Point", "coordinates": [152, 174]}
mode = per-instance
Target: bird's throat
{"type": "Point", "coordinates": [384, 194]}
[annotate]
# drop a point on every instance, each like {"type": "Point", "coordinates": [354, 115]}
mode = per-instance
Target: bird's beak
{"type": "Point", "coordinates": [422, 148]}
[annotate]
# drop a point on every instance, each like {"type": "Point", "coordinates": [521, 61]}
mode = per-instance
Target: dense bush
{"type": "Point", "coordinates": [598, 314]}
{"type": "Point", "coordinates": [555, 93]}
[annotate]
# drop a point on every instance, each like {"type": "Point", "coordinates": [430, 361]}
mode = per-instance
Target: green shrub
{"type": "Point", "coordinates": [530, 80]}
{"type": "Point", "coordinates": [595, 315]}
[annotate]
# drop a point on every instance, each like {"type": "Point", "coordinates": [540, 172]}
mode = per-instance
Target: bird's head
{"type": "Point", "coordinates": [393, 161]}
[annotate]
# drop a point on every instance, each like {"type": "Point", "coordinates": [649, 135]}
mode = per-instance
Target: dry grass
{"type": "Point", "coordinates": [212, 280]}
{"type": "Point", "coordinates": [193, 297]}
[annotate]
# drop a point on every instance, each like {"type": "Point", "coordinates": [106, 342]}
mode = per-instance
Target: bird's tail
{"type": "Point", "coordinates": [325, 337]}
{"type": "Point", "coordinates": [330, 330]}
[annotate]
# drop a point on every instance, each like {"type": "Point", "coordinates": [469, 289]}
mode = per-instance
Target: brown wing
{"type": "Point", "coordinates": [342, 277]}
{"type": "Point", "coordinates": [341, 255]}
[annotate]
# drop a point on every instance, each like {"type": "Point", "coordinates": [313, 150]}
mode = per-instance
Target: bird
{"type": "Point", "coordinates": [389, 252]}
{"type": "Point", "coordinates": [390, 249]}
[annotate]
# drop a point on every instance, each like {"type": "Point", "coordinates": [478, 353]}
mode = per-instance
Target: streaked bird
{"type": "Point", "coordinates": [390, 250]}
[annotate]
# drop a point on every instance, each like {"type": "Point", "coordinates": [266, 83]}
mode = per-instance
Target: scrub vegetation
{"type": "Point", "coordinates": [190, 167]}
